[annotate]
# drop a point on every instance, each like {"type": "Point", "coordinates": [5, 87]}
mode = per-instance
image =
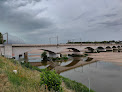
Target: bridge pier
{"type": "Point", "coordinates": [8, 51]}
{"type": "Point", "coordinates": [26, 56]}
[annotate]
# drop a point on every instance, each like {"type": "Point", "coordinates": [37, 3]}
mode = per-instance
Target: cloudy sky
{"type": "Point", "coordinates": [35, 21]}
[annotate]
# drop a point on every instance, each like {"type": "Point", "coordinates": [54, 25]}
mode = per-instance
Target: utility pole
{"type": "Point", "coordinates": [81, 41]}
{"type": "Point", "coordinates": [50, 40]}
{"type": "Point", "coordinates": [57, 40]}
{"type": "Point", "coordinates": [54, 37]}
{"type": "Point", "coordinates": [7, 37]}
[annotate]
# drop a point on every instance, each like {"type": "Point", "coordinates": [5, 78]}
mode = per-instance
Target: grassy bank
{"type": "Point", "coordinates": [28, 79]}
{"type": "Point", "coordinates": [25, 80]}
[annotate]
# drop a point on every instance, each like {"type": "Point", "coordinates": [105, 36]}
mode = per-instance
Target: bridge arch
{"type": "Point", "coordinates": [108, 49]}
{"type": "Point", "coordinates": [20, 50]}
{"type": "Point", "coordinates": [118, 46]}
{"type": "Point", "coordinates": [114, 47]}
{"type": "Point", "coordinates": [101, 49]}
{"type": "Point", "coordinates": [74, 49]}
{"type": "Point", "coordinates": [89, 49]}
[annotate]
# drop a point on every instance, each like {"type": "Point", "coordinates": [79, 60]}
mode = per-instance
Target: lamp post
{"type": "Point", "coordinates": [7, 36]}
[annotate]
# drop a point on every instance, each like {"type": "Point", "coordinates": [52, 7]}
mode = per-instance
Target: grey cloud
{"type": "Point", "coordinates": [80, 16]}
{"type": "Point", "coordinates": [110, 15]}
{"type": "Point", "coordinates": [23, 21]}
{"type": "Point", "coordinates": [91, 20]}
{"type": "Point", "coordinates": [14, 40]}
{"type": "Point", "coordinates": [112, 23]}
{"type": "Point", "coordinates": [37, 20]}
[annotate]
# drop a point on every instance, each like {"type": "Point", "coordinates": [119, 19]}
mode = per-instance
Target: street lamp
{"type": "Point", "coordinates": [7, 36]}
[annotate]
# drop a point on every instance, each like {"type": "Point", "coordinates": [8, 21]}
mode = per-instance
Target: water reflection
{"type": "Point", "coordinates": [63, 65]}
{"type": "Point", "coordinates": [104, 76]}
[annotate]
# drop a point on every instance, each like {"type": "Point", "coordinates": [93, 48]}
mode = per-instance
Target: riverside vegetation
{"type": "Point", "coordinates": [33, 79]}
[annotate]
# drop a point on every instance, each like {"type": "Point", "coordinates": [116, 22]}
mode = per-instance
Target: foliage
{"type": "Point", "coordinates": [95, 42]}
{"type": "Point", "coordinates": [16, 79]}
{"type": "Point", "coordinates": [1, 39]}
{"type": "Point", "coordinates": [85, 54]}
{"type": "Point", "coordinates": [65, 58]}
{"type": "Point", "coordinates": [25, 80]}
{"type": "Point", "coordinates": [75, 55]}
{"type": "Point", "coordinates": [77, 87]}
{"type": "Point", "coordinates": [51, 80]}
{"type": "Point", "coordinates": [59, 59]}
{"type": "Point", "coordinates": [44, 56]}
{"type": "Point", "coordinates": [28, 65]}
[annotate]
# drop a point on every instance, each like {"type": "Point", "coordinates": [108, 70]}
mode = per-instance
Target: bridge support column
{"type": "Point", "coordinates": [26, 56]}
{"type": "Point", "coordinates": [8, 51]}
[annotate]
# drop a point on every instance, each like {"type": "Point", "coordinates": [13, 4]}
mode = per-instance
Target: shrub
{"type": "Point", "coordinates": [28, 65]}
{"type": "Point", "coordinates": [85, 54]}
{"type": "Point", "coordinates": [44, 56]}
{"type": "Point", "coordinates": [51, 80]}
{"type": "Point", "coordinates": [65, 58]}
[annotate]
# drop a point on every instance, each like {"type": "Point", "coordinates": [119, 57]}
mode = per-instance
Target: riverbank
{"type": "Point", "coordinates": [114, 57]}
{"type": "Point", "coordinates": [28, 80]}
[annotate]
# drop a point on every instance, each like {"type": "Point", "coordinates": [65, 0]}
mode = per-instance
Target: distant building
{"type": "Point", "coordinates": [112, 43]}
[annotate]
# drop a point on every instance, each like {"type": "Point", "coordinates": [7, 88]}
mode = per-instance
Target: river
{"type": "Point", "coordinates": [100, 76]}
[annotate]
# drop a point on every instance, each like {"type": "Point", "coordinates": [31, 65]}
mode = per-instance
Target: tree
{"type": "Point", "coordinates": [1, 38]}
{"type": "Point", "coordinates": [44, 56]}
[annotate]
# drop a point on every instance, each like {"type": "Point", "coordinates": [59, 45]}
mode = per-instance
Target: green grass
{"type": "Point", "coordinates": [25, 80]}
{"type": "Point", "coordinates": [16, 79]}
{"type": "Point", "coordinates": [28, 78]}
{"type": "Point", "coordinates": [77, 87]}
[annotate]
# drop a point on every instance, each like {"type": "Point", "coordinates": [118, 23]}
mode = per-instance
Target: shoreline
{"type": "Point", "coordinates": [113, 57]}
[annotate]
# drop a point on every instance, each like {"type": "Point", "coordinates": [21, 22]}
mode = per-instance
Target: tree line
{"type": "Point", "coordinates": [96, 42]}
{"type": "Point", "coordinates": [2, 39]}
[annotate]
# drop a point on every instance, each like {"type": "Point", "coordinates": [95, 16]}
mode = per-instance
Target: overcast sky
{"type": "Point", "coordinates": [35, 21]}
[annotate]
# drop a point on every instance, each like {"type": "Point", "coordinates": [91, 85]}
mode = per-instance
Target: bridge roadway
{"type": "Point", "coordinates": [13, 50]}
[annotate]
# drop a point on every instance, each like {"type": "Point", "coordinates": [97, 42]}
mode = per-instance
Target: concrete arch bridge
{"type": "Point", "coordinates": [13, 50]}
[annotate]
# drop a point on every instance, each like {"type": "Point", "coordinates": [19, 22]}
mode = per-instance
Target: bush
{"type": "Point", "coordinates": [65, 58]}
{"type": "Point", "coordinates": [28, 65]}
{"type": "Point", "coordinates": [44, 56]}
{"type": "Point", "coordinates": [51, 80]}
{"type": "Point", "coordinates": [85, 54]}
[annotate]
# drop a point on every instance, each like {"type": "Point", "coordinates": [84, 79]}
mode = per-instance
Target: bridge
{"type": "Point", "coordinates": [13, 50]}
